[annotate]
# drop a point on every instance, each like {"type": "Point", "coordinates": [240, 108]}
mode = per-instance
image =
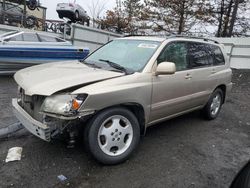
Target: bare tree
{"type": "Point", "coordinates": [224, 14]}
{"type": "Point", "coordinates": [96, 8]}
{"type": "Point", "coordinates": [223, 18]}
{"type": "Point", "coordinates": [133, 13]}
{"type": "Point", "coordinates": [175, 16]}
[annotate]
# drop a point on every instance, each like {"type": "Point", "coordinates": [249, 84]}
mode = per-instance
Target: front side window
{"type": "Point", "coordinates": [130, 54]}
{"type": "Point", "coordinates": [175, 52]}
{"type": "Point", "coordinates": [199, 55]}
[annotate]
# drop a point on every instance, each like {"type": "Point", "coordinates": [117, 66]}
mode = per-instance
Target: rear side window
{"type": "Point", "coordinates": [218, 55]}
{"type": "Point", "coordinates": [175, 52]}
{"type": "Point", "coordinates": [199, 55]}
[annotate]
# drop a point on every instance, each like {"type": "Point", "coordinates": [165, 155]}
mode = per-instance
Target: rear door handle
{"type": "Point", "coordinates": [188, 76]}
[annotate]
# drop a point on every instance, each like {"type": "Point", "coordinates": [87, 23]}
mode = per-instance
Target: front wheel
{"type": "Point", "coordinates": [213, 106]}
{"type": "Point", "coordinates": [112, 135]}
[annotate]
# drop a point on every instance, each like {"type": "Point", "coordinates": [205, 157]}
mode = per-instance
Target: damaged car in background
{"type": "Point", "coordinates": [121, 89]}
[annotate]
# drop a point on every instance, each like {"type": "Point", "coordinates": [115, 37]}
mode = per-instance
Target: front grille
{"type": "Point", "coordinates": [32, 104]}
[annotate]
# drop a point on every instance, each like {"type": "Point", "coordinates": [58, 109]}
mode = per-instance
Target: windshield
{"type": "Point", "coordinates": [129, 54]}
{"type": "Point", "coordinates": [8, 34]}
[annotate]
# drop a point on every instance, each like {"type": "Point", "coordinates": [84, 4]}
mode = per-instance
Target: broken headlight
{"type": "Point", "coordinates": [63, 104]}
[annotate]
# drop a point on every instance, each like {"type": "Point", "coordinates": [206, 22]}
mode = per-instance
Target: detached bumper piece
{"type": "Point", "coordinates": [35, 127]}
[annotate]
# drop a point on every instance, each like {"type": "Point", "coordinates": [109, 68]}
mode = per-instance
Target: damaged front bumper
{"type": "Point", "coordinates": [35, 127]}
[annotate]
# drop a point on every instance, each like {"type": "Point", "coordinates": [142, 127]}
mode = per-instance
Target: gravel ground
{"type": "Point", "coordinates": [184, 152]}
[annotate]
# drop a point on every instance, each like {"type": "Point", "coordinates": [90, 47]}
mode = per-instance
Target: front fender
{"type": "Point", "coordinates": [122, 90]}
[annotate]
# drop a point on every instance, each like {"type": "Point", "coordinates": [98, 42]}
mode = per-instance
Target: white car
{"type": "Point", "coordinates": [72, 11]}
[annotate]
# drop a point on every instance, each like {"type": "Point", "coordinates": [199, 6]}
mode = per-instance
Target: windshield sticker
{"type": "Point", "coordinates": [143, 45]}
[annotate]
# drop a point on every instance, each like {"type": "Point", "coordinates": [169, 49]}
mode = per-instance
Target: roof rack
{"type": "Point", "coordinates": [138, 35]}
{"type": "Point", "coordinates": [173, 36]}
{"type": "Point", "coordinates": [193, 37]}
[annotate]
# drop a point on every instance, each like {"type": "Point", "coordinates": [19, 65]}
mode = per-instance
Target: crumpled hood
{"type": "Point", "coordinates": [47, 79]}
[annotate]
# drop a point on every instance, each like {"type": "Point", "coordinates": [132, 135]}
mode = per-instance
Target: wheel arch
{"type": "Point", "coordinates": [137, 109]}
{"type": "Point", "coordinates": [224, 90]}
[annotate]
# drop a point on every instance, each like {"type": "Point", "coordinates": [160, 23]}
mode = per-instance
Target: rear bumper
{"type": "Point", "coordinates": [35, 127]}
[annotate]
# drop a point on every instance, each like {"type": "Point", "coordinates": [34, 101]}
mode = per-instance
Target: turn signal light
{"type": "Point", "coordinates": [76, 104]}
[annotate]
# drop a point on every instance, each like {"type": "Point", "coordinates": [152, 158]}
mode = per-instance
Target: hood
{"type": "Point", "coordinates": [50, 78]}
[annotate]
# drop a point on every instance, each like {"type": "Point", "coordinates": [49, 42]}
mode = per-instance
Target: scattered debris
{"type": "Point", "coordinates": [14, 154]}
{"type": "Point", "coordinates": [10, 130]}
{"type": "Point", "coordinates": [61, 177]}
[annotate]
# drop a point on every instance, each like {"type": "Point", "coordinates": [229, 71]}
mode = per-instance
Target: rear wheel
{"type": "Point", "coordinates": [112, 135]}
{"type": "Point", "coordinates": [213, 106]}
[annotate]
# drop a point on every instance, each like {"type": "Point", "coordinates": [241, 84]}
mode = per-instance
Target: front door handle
{"type": "Point", "coordinates": [188, 76]}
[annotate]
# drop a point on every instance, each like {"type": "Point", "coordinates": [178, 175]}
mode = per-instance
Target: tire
{"type": "Point", "coordinates": [87, 22]}
{"type": "Point", "coordinates": [242, 180]}
{"type": "Point", "coordinates": [112, 135]}
{"type": "Point", "coordinates": [31, 22]}
{"type": "Point", "coordinates": [213, 106]}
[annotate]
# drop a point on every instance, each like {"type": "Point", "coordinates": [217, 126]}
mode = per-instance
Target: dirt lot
{"type": "Point", "coordinates": [183, 152]}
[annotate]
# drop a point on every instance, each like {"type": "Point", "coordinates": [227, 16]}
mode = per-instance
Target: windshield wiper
{"type": "Point", "coordinates": [90, 64]}
{"type": "Point", "coordinates": [115, 65]}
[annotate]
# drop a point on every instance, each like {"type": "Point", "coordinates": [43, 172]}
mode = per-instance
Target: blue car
{"type": "Point", "coordinates": [23, 49]}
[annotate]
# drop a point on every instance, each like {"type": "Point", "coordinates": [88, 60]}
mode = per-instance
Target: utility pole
{"type": "Point", "coordinates": [234, 16]}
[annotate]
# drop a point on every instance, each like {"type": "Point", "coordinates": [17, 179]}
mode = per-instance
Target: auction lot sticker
{"type": "Point", "coordinates": [144, 45]}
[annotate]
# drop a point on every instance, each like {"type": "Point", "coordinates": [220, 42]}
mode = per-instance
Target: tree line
{"type": "Point", "coordinates": [221, 18]}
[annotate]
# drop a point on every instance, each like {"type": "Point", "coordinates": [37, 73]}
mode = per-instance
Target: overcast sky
{"type": "Point", "coordinates": [86, 4]}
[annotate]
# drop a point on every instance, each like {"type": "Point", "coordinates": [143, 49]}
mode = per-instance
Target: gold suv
{"type": "Point", "coordinates": [121, 89]}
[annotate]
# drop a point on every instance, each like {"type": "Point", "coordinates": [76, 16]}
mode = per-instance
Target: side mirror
{"type": "Point", "coordinates": [165, 68]}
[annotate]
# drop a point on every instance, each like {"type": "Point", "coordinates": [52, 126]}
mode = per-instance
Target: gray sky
{"type": "Point", "coordinates": [86, 4]}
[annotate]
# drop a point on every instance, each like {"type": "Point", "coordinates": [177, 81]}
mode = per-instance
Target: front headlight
{"type": "Point", "coordinates": [63, 104]}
